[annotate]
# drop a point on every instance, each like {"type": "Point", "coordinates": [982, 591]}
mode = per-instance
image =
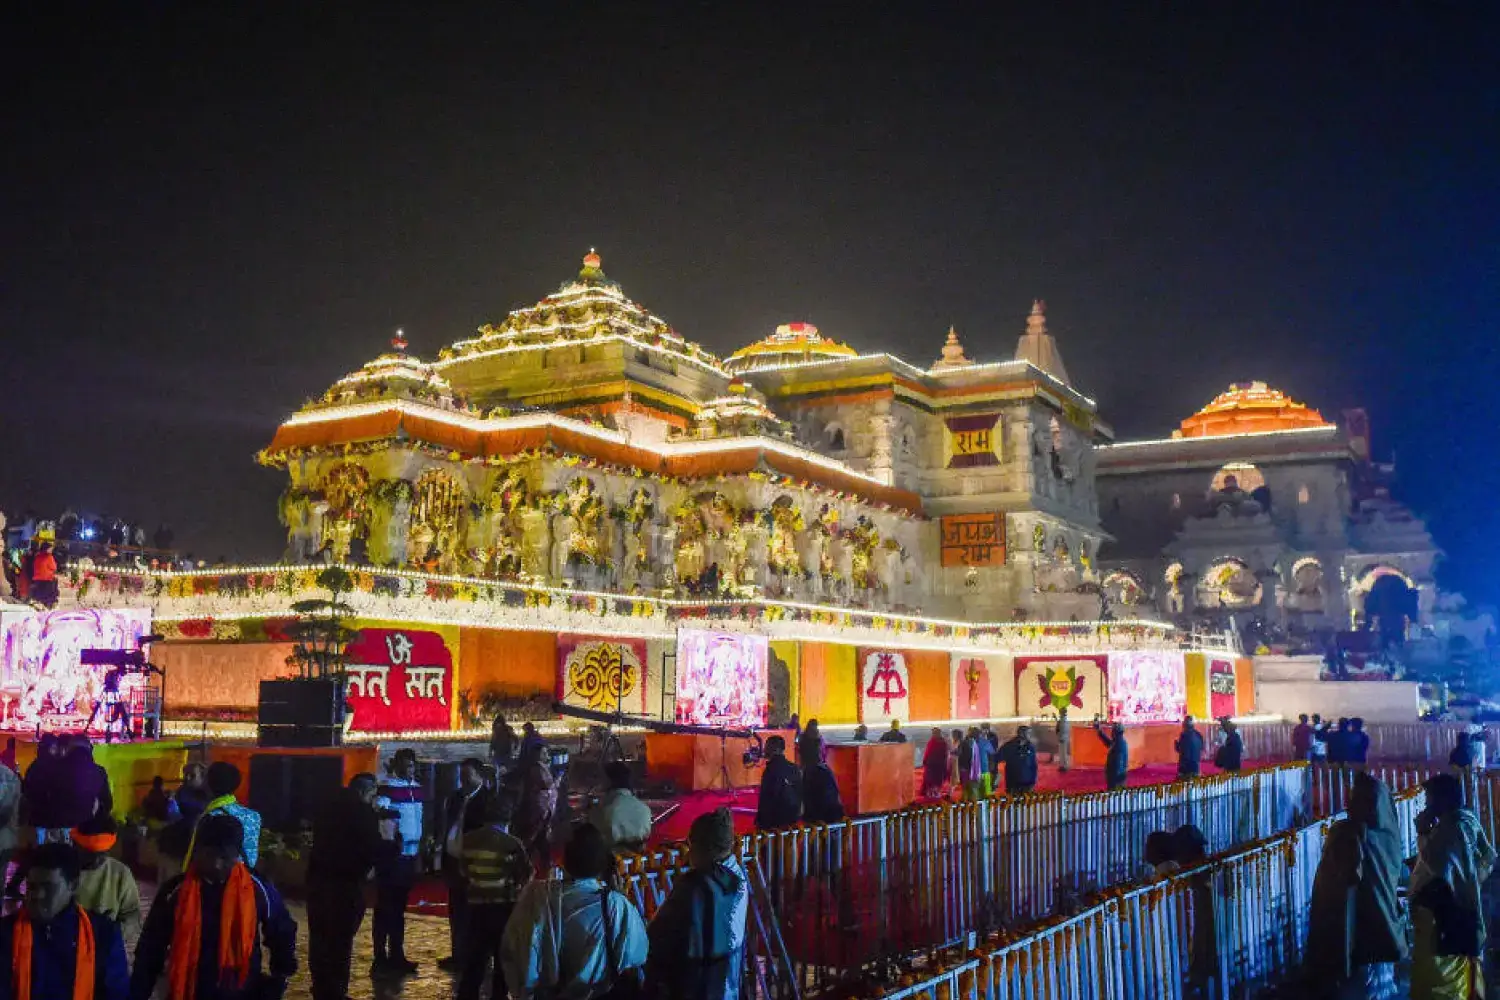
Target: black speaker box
{"type": "Point", "coordinates": [287, 790]}
{"type": "Point", "coordinates": [301, 703]}
{"type": "Point", "coordinates": [300, 736]}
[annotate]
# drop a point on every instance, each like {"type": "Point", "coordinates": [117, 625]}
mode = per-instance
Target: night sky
{"type": "Point", "coordinates": [207, 217]}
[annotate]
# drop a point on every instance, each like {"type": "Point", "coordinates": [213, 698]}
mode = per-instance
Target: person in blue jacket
{"type": "Point", "coordinates": [53, 919]}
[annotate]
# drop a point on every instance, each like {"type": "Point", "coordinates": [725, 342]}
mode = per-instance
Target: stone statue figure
{"type": "Point", "coordinates": [389, 525]}
{"type": "Point", "coordinates": [563, 527]}
{"type": "Point", "coordinates": [810, 545]}
{"type": "Point", "coordinates": [756, 555]}
{"type": "Point", "coordinates": [841, 548]}
{"type": "Point", "coordinates": [535, 542]}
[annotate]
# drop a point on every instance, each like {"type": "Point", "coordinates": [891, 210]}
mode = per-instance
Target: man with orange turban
{"type": "Point", "coordinates": [209, 926]}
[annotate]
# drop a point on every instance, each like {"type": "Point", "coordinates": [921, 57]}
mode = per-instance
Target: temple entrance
{"type": "Point", "coordinates": [1390, 606]}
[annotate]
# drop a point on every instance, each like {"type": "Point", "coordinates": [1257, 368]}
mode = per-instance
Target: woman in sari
{"type": "Point", "coordinates": [1355, 931]}
{"type": "Point", "coordinates": [935, 765]}
{"type": "Point", "coordinates": [1454, 857]}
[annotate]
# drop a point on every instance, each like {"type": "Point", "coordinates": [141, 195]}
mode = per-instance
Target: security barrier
{"type": "Point", "coordinates": [1428, 742]}
{"type": "Point", "coordinates": [850, 896]}
{"type": "Point", "coordinates": [1236, 921]}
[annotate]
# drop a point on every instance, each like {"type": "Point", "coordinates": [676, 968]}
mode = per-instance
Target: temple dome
{"type": "Point", "coordinates": [587, 308]}
{"type": "Point", "coordinates": [792, 343]}
{"type": "Point", "coordinates": [1248, 408]}
{"type": "Point", "coordinates": [392, 375]}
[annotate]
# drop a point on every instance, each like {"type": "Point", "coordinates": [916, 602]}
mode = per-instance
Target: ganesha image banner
{"type": "Point", "coordinates": [602, 675]}
{"type": "Point", "coordinates": [1049, 685]}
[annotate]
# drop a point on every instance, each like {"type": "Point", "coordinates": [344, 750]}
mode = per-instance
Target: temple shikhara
{"type": "Point", "coordinates": [554, 501]}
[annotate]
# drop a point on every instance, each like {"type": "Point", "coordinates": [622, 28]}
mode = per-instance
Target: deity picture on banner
{"type": "Point", "coordinates": [1221, 688]}
{"type": "Point", "coordinates": [1048, 685]}
{"type": "Point", "coordinates": [971, 688]}
{"type": "Point", "coordinates": [602, 675]}
{"type": "Point", "coordinates": [42, 681]}
{"type": "Point", "coordinates": [722, 679]}
{"type": "Point", "coordinates": [884, 686]}
{"type": "Point", "coordinates": [1147, 686]}
{"type": "Point", "coordinates": [400, 680]}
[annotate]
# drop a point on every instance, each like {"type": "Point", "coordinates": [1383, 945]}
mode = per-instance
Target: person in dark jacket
{"type": "Point", "coordinates": [63, 787]}
{"type": "Point", "coordinates": [346, 845]}
{"type": "Point", "coordinates": [810, 745]}
{"type": "Point", "coordinates": [1462, 756]}
{"type": "Point", "coordinates": [182, 931]}
{"type": "Point", "coordinates": [52, 919]}
{"type": "Point", "coordinates": [894, 734]}
{"type": "Point", "coordinates": [1189, 747]}
{"type": "Point", "coordinates": [463, 811]}
{"type": "Point", "coordinates": [1116, 755]}
{"type": "Point", "coordinates": [780, 789]}
{"type": "Point", "coordinates": [192, 795]}
{"type": "Point", "coordinates": [1018, 754]}
{"type": "Point", "coordinates": [820, 795]}
{"type": "Point", "coordinates": [698, 936]}
{"type": "Point", "coordinates": [1359, 741]}
{"type": "Point", "coordinates": [1231, 752]}
{"type": "Point", "coordinates": [1338, 743]}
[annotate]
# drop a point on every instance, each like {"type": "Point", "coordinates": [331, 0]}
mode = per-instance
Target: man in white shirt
{"type": "Point", "coordinates": [624, 819]}
{"type": "Point", "coordinates": [564, 938]}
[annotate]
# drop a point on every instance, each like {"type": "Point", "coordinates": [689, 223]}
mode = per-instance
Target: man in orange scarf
{"type": "Point", "coordinates": [208, 927]}
{"type": "Point", "coordinates": [51, 949]}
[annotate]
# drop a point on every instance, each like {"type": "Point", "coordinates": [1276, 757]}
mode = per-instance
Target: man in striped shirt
{"type": "Point", "coordinates": [495, 866]}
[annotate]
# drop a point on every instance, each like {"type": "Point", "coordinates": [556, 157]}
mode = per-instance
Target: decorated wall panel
{"type": "Point", "coordinates": [1244, 686]}
{"type": "Point", "coordinates": [506, 664]}
{"type": "Point", "coordinates": [218, 680]}
{"type": "Point", "coordinates": [830, 683]}
{"type": "Point", "coordinates": [783, 681]}
{"type": "Point", "coordinates": [43, 680]}
{"type": "Point", "coordinates": [972, 441]}
{"type": "Point", "coordinates": [402, 679]}
{"type": "Point", "coordinates": [1046, 685]}
{"type": "Point", "coordinates": [1195, 685]}
{"type": "Point", "coordinates": [884, 686]}
{"type": "Point", "coordinates": [599, 673]}
{"type": "Point", "coordinates": [971, 688]}
{"type": "Point", "coordinates": [1147, 686]}
{"type": "Point", "coordinates": [1221, 687]}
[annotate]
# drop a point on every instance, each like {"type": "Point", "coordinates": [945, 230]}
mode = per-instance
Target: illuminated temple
{"type": "Point", "coordinates": [552, 499]}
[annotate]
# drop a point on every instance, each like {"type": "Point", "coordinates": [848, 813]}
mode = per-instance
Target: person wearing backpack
{"type": "Point", "coordinates": [698, 936]}
{"type": "Point", "coordinates": [576, 939]}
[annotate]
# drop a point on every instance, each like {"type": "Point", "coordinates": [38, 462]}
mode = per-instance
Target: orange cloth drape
{"type": "Point", "coordinates": [515, 664]}
{"type": "Point", "coordinates": [929, 675]}
{"type": "Point", "coordinates": [236, 934]}
{"type": "Point", "coordinates": [20, 958]}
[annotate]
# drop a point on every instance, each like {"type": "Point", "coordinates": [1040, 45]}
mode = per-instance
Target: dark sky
{"type": "Point", "coordinates": [206, 217]}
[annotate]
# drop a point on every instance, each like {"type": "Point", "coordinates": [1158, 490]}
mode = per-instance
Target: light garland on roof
{"type": "Point", "coordinates": [542, 421]}
{"type": "Point", "coordinates": [1209, 439]}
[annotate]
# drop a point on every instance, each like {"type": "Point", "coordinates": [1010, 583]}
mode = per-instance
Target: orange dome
{"type": "Point", "coordinates": [1248, 408]}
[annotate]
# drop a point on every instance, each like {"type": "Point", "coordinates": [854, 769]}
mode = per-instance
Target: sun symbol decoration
{"type": "Point", "coordinates": [1061, 689]}
{"type": "Point", "coordinates": [601, 676]}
